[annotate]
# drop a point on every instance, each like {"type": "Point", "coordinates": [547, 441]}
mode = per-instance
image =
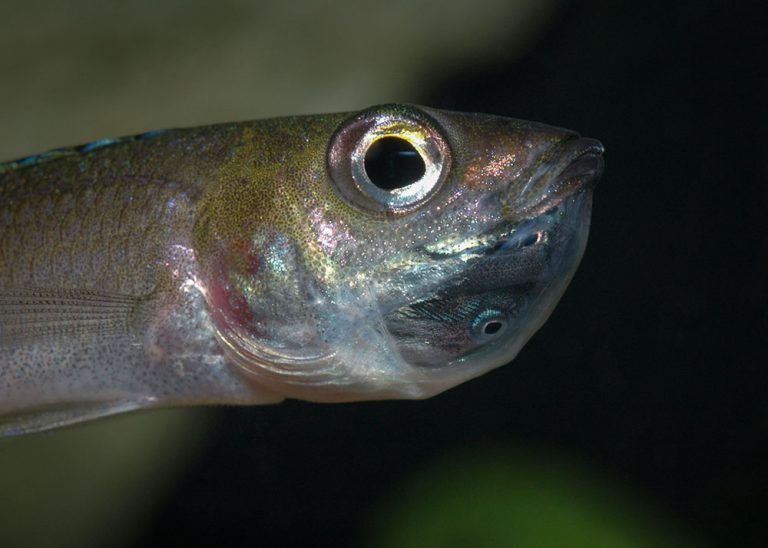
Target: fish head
{"type": "Point", "coordinates": [398, 251]}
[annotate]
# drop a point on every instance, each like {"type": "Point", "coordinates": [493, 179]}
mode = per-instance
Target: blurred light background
{"type": "Point", "coordinates": [636, 417]}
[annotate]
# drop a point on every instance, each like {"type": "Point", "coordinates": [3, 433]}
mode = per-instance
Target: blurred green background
{"type": "Point", "coordinates": [634, 418]}
{"type": "Point", "coordinates": [504, 496]}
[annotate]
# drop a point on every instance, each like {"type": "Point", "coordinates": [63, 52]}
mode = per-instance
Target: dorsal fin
{"type": "Point", "coordinates": [35, 159]}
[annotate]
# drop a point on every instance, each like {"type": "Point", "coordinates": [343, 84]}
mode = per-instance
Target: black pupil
{"type": "Point", "coordinates": [491, 328]}
{"type": "Point", "coordinates": [393, 163]}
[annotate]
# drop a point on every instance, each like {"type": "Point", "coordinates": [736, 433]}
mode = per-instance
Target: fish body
{"type": "Point", "coordinates": [389, 253]}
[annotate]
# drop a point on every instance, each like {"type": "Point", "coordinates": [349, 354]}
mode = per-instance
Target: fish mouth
{"type": "Point", "coordinates": [565, 169]}
{"type": "Point", "coordinates": [580, 160]}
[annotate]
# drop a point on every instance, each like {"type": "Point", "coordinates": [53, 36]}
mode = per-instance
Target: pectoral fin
{"type": "Point", "coordinates": [30, 315]}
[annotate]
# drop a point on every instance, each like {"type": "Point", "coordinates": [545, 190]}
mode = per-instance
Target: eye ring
{"type": "Point", "coordinates": [424, 145]}
{"type": "Point", "coordinates": [349, 159]}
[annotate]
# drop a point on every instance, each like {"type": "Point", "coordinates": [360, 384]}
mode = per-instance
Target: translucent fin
{"type": "Point", "coordinates": [41, 314]}
{"type": "Point", "coordinates": [37, 420]}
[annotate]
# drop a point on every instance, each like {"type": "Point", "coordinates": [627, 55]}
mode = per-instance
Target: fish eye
{"type": "Point", "coordinates": [488, 325]}
{"type": "Point", "coordinates": [388, 159]}
{"type": "Point", "coordinates": [392, 162]}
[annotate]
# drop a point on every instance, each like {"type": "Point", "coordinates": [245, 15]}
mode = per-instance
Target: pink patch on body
{"type": "Point", "coordinates": [229, 308]}
{"type": "Point", "coordinates": [252, 263]}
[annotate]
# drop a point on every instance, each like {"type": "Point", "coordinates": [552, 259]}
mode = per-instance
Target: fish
{"type": "Point", "coordinates": [389, 253]}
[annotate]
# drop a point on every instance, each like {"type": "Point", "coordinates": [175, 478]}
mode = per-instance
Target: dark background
{"type": "Point", "coordinates": [651, 368]}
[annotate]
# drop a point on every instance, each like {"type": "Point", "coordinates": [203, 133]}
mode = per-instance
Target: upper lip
{"type": "Point", "coordinates": [566, 168]}
{"type": "Point", "coordinates": [580, 158]}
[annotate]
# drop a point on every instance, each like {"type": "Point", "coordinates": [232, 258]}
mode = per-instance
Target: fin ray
{"type": "Point", "coordinates": [38, 420]}
{"type": "Point", "coordinates": [40, 314]}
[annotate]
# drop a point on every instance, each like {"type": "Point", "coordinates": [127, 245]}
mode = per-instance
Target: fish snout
{"type": "Point", "coordinates": [567, 168]}
{"type": "Point", "coordinates": [583, 162]}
